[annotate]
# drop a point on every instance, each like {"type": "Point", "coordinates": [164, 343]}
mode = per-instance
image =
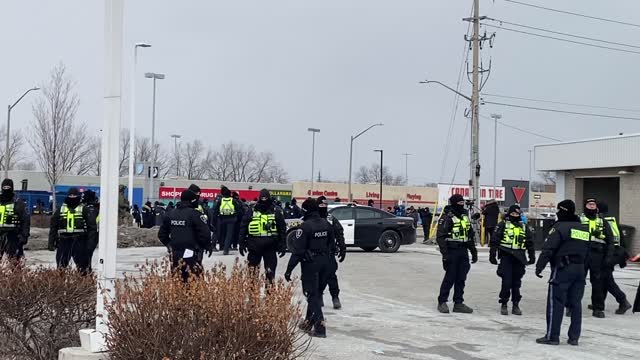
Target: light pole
{"type": "Point", "coordinates": [381, 173]}
{"type": "Point", "coordinates": [155, 77]}
{"type": "Point", "coordinates": [175, 143]}
{"type": "Point", "coordinates": [351, 155]}
{"type": "Point", "coordinates": [6, 145]}
{"type": "Point", "coordinates": [313, 153]}
{"type": "Point", "coordinates": [406, 167]}
{"type": "Point", "coordinates": [132, 120]}
{"type": "Point", "coordinates": [495, 118]}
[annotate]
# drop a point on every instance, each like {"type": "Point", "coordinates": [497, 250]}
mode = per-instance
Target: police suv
{"type": "Point", "coordinates": [367, 228]}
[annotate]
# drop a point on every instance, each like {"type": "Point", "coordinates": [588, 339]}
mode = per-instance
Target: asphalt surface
{"type": "Point", "coordinates": [389, 311]}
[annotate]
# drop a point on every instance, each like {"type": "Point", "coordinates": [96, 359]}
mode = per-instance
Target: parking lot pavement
{"type": "Point", "coordinates": [389, 312]}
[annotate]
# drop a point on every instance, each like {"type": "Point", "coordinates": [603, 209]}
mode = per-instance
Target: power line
{"type": "Point", "coordinates": [564, 111]}
{"type": "Point", "coordinates": [574, 13]}
{"type": "Point", "coordinates": [563, 33]}
{"type": "Point", "coordinates": [561, 103]}
{"type": "Point", "coordinates": [561, 39]}
{"type": "Point", "coordinates": [522, 130]}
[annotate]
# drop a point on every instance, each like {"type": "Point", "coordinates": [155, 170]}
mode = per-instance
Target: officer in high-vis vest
{"type": "Point", "coordinates": [262, 235]}
{"type": "Point", "coordinates": [228, 212]}
{"type": "Point", "coordinates": [567, 249]}
{"type": "Point", "coordinates": [73, 231]}
{"type": "Point", "coordinates": [619, 258]}
{"type": "Point", "coordinates": [14, 223]}
{"type": "Point", "coordinates": [456, 239]}
{"type": "Point", "coordinates": [600, 256]}
{"type": "Point", "coordinates": [511, 244]}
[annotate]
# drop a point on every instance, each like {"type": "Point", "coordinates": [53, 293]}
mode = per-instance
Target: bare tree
{"type": "Point", "coordinates": [125, 139]}
{"type": "Point", "coordinates": [371, 175]}
{"type": "Point", "coordinates": [90, 164]}
{"type": "Point", "coordinates": [55, 141]}
{"type": "Point", "coordinates": [15, 147]}
{"type": "Point", "coordinates": [26, 166]}
{"type": "Point", "coordinates": [234, 162]}
{"type": "Point", "coordinates": [192, 160]}
{"type": "Point", "coordinates": [549, 177]}
{"type": "Point", "coordinates": [144, 153]}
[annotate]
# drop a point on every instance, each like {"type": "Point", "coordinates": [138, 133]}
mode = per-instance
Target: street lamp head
{"type": "Point", "coordinates": [496, 116]}
{"type": "Point", "coordinates": [378, 150]}
{"type": "Point", "coordinates": [143, 45]}
{"type": "Point", "coordinates": [154, 76]}
{"type": "Point", "coordinates": [379, 124]}
{"type": "Point", "coordinates": [313, 130]}
{"type": "Point", "coordinates": [35, 88]}
{"type": "Point", "coordinates": [176, 136]}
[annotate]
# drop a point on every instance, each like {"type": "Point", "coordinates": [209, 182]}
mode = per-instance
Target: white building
{"type": "Point", "coordinates": [605, 168]}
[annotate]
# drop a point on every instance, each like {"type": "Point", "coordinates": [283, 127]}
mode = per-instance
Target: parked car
{"type": "Point", "coordinates": [367, 228]}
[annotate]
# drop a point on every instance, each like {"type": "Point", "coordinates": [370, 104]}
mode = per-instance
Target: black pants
{"type": "Point", "coordinates": [425, 230]}
{"type": "Point", "coordinates": [11, 246]}
{"type": "Point", "coordinates": [456, 269]}
{"type": "Point", "coordinates": [74, 247]}
{"type": "Point", "coordinates": [612, 287]}
{"type": "Point", "coordinates": [595, 265]}
{"type": "Point", "coordinates": [263, 250]}
{"type": "Point", "coordinates": [566, 288]}
{"type": "Point", "coordinates": [331, 279]}
{"type": "Point", "coordinates": [314, 273]}
{"type": "Point", "coordinates": [186, 266]}
{"type": "Point", "coordinates": [227, 231]}
{"type": "Point", "coordinates": [488, 233]}
{"type": "Point", "coordinates": [511, 270]}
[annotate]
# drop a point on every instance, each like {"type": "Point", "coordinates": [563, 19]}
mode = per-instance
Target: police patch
{"type": "Point", "coordinates": [299, 233]}
{"type": "Point", "coordinates": [203, 218]}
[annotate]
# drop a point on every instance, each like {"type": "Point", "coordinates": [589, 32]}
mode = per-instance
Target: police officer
{"type": "Point", "coordinates": [313, 242]}
{"type": "Point", "coordinates": [73, 232]}
{"type": "Point", "coordinates": [339, 249]}
{"type": "Point", "coordinates": [619, 257]}
{"type": "Point", "coordinates": [296, 212]}
{"type": "Point", "coordinates": [262, 235]}
{"type": "Point", "coordinates": [14, 223]}
{"type": "Point", "coordinates": [92, 203]}
{"type": "Point", "coordinates": [455, 238]}
{"type": "Point", "coordinates": [511, 243]}
{"type": "Point", "coordinates": [202, 209]}
{"type": "Point", "coordinates": [185, 232]}
{"type": "Point", "coordinates": [567, 249]}
{"type": "Point", "coordinates": [228, 213]}
{"type": "Point", "coordinates": [600, 256]}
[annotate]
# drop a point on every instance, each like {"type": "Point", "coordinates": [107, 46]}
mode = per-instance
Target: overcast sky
{"type": "Point", "coordinates": [261, 72]}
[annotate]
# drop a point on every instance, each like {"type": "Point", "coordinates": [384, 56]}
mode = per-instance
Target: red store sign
{"type": "Point", "coordinates": [210, 194]}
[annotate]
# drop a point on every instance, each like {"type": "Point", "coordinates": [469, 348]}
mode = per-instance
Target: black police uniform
{"type": "Point", "coordinates": [313, 242]}
{"type": "Point", "coordinates": [185, 232]}
{"type": "Point", "coordinates": [620, 258]}
{"type": "Point", "coordinates": [14, 223]}
{"type": "Point", "coordinates": [262, 235]}
{"type": "Point", "coordinates": [456, 239]}
{"type": "Point", "coordinates": [73, 232]}
{"type": "Point", "coordinates": [339, 249]}
{"type": "Point", "coordinates": [511, 242]}
{"type": "Point", "coordinates": [91, 202]}
{"type": "Point", "coordinates": [567, 249]}
{"type": "Point", "coordinates": [600, 257]}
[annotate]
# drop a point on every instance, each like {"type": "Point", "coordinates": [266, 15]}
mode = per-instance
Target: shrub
{"type": "Point", "coordinates": [42, 310]}
{"type": "Point", "coordinates": [220, 316]}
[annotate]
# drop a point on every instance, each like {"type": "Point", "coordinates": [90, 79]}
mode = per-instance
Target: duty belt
{"type": "Point", "coordinates": [8, 226]}
{"type": "Point", "coordinates": [456, 240]}
{"type": "Point", "coordinates": [599, 241]}
{"type": "Point", "coordinates": [75, 231]}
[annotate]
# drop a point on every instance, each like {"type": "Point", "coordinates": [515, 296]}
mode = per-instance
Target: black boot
{"type": "Point", "coordinates": [623, 308]}
{"type": "Point", "coordinates": [336, 303]}
{"type": "Point", "coordinates": [504, 310]}
{"type": "Point", "coordinates": [516, 310]}
{"type": "Point", "coordinates": [443, 308]}
{"type": "Point", "coordinates": [462, 308]}
{"type": "Point", "coordinates": [598, 314]}
{"type": "Point", "coordinates": [305, 326]}
{"type": "Point", "coordinates": [572, 342]}
{"type": "Point", "coordinates": [545, 341]}
{"type": "Point", "coordinates": [319, 330]}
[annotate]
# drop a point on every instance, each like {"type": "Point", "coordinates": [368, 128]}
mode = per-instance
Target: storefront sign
{"type": "Point", "coordinates": [209, 194]}
{"type": "Point", "coordinates": [326, 193]}
{"type": "Point", "coordinates": [445, 191]}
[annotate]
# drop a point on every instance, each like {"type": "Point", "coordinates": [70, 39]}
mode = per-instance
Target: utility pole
{"type": "Point", "coordinates": [406, 168]}
{"type": "Point", "coordinates": [474, 178]}
{"type": "Point", "coordinates": [175, 150]}
{"type": "Point", "coordinates": [495, 118]}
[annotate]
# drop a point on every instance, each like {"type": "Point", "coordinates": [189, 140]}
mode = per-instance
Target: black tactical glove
{"type": "Point", "coordinates": [243, 249]}
{"type": "Point", "coordinates": [445, 263]}
{"type": "Point", "coordinates": [532, 257]}
{"type": "Point", "coordinates": [596, 233]}
{"type": "Point", "coordinates": [287, 276]}
{"type": "Point", "coordinates": [474, 258]}
{"type": "Point", "coordinates": [22, 240]}
{"type": "Point", "coordinates": [539, 273]}
{"type": "Point", "coordinates": [52, 246]}
{"type": "Point", "coordinates": [282, 253]}
{"type": "Point", "coordinates": [493, 260]}
{"type": "Point", "coordinates": [342, 253]}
